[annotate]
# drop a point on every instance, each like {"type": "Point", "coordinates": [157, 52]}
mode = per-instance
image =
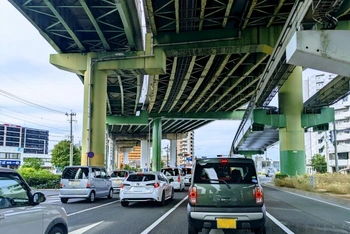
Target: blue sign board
{"type": "Point", "coordinates": [90, 154]}
{"type": "Point", "coordinates": [10, 162]}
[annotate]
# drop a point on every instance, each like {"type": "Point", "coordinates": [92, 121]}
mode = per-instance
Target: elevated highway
{"type": "Point", "coordinates": [200, 61]}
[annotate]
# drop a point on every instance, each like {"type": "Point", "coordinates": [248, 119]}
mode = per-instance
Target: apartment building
{"type": "Point", "coordinates": [322, 142]}
{"type": "Point", "coordinates": [185, 150]}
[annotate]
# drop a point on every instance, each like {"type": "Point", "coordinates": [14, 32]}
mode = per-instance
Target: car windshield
{"type": "Point", "coordinates": [119, 174]}
{"type": "Point", "coordinates": [230, 173]}
{"type": "Point", "coordinates": [75, 173]}
{"type": "Point", "coordinates": [141, 177]}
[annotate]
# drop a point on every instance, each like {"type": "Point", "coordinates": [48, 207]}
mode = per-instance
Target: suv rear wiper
{"type": "Point", "coordinates": [220, 181]}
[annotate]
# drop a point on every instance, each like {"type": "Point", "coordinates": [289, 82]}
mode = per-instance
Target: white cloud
{"type": "Point", "coordinates": [26, 73]}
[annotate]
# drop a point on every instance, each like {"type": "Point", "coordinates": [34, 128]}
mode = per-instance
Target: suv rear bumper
{"type": "Point", "coordinates": [246, 218]}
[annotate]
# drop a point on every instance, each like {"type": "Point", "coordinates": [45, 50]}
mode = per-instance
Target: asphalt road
{"type": "Point", "coordinates": [287, 211]}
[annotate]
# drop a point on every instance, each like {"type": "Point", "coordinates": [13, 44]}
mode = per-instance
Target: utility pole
{"type": "Point", "coordinates": [71, 138]}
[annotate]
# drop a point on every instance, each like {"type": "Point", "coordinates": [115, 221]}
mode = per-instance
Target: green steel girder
{"type": "Point", "coordinates": [219, 41]}
{"type": "Point", "coordinates": [274, 120]}
{"type": "Point", "coordinates": [312, 120]}
{"type": "Point", "coordinates": [131, 23]}
{"type": "Point", "coordinates": [232, 115]}
{"type": "Point", "coordinates": [143, 118]}
{"type": "Point", "coordinates": [249, 152]}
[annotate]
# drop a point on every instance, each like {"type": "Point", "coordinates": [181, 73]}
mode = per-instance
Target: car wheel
{"type": "Point", "coordinates": [110, 195]}
{"type": "Point", "coordinates": [91, 197]}
{"type": "Point", "coordinates": [124, 203]}
{"type": "Point", "coordinates": [192, 229]}
{"type": "Point", "coordinates": [64, 200]}
{"type": "Point", "coordinates": [162, 202]}
{"type": "Point", "coordinates": [172, 194]}
{"type": "Point", "coordinates": [260, 230]}
{"type": "Point", "coordinates": [56, 230]}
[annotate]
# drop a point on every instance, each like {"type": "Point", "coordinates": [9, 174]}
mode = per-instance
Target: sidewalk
{"type": "Point", "coordinates": [49, 192]}
{"type": "Point", "coordinates": [338, 199]}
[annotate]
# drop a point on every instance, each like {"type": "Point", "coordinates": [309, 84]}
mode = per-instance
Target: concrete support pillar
{"type": "Point", "coordinates": [173, 161]}
{"type": "Point", "coordinates": [125, 156]}
{"type": "Point", "coordinates": [156, 144]}
{"type": "Point", "coordinates": [111, 159]}
{"type": "Point", "coordinates": [94, 116]}
{"type": "Point", "coordinates": [145, 153]}
{"type": "Point", "coordinates": [292, 145]}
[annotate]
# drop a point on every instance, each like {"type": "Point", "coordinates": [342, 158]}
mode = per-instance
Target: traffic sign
{"type": "Point", "coordinates": [90, 154]}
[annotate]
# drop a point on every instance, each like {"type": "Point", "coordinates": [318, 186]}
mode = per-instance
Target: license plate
{"type": "Point", "coordinates": [224, 223]}
{"type": "Point", "coordinates": [73, 183]}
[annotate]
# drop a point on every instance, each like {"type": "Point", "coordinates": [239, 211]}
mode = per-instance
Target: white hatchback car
{"type": "Point", "coordinates": [145, 187]}
{"type": "Point", "coordinates": [23, 212]}
{"type": "Point", "coordinates": [175, 177]}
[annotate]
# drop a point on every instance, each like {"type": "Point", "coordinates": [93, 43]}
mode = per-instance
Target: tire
{"type": "Point", "coordinates": [172, 194]}
{"type": "Point", "coordinates": [192, 229]}
{"type": "Point", "coordinates": [124, 203]}
{"type": "Point", "coordinates": [91, 198]}
{"type": "Point", "coordinates": [56, 230]}
{"type": "Point", "coordinates": [64, 200]}
{"type": "Point", "coordinates": [110, 194]}
{"type": "Point", "coordinates": [260, 230]}
{"type": "Point", "coordinates": [162, 202]}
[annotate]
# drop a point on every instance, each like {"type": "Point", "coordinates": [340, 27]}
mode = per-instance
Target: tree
{"type": "Point", "coordinates": [35, 163]}
{"type": "Point", "coordinates": [318, 163]}
{"type": "Point", "coordinates": [61, 154]}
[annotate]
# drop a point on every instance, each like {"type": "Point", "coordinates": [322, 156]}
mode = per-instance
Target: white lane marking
{"type": "Point", "coordinates": [346, 208]}
{"type": "Point", "coordinates": [92, 208]}
{"type": "Point", "coordinates": [84, 229]}
{"type": "Point", "coordinates": [278, 223]}
{"type": "Point", "coordinates": [147, 230]}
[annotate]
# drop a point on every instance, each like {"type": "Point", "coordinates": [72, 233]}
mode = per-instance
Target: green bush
{"type": "Point", "coordinates": [281, 176]}
{"type": "Point", "coordinates": [40, 179]}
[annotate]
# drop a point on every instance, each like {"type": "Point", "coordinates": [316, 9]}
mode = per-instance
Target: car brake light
{"type": "Point", "coordinates": [192, 196]}
{"type": "Point", "coordinates": [224, 161]}
{"type": "Point", "coordinates": [259, 195]}
{"type": "Point", "coordinates": [61, 185]}
{"type": "Point", "coordinates": [156, 185]}
{"type": "Point", "coordinates": [178, 178]}
{"type": "Point", "coordinates": [88, 185]}
{"type": "Point", "coordinates": [121, 186]}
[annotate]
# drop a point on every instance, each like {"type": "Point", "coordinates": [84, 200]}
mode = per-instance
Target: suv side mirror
{"type": "Point", "coordinates": [38, 197]}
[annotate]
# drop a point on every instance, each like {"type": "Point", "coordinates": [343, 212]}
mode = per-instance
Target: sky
{"type": "Point", "coordinates": [46, 94]}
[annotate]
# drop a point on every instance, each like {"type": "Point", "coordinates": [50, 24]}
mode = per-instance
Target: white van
{"type": "Point", "coordinates": [85, 182]}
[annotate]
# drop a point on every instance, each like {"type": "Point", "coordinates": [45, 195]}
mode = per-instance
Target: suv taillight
{"type": "Point", "coordinates": [156, 185]}
{"type": "Point", "coordinates": [88, 185]}
{"type": "Point", "coordinates": [178, 178]}
{"type": "Point", "coordinates": [61, 185]}
{"type": "Point", "coordinates": [192, 195]}
{"type": "Point", "coordinates": [259, 195]}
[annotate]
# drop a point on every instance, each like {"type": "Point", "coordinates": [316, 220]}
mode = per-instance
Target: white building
{"type": "Point", "coordinates": [320, 142]}
{"type": "Point", "coordinates": [185, 150]}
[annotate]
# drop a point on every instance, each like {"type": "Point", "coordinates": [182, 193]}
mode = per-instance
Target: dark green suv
{"type": "Point", "coordinates": [225, 193]}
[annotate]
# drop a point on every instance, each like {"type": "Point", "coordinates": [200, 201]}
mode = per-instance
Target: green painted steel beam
{"type": "Point", "coordinates": [135, 61]}
{"type": "Point", "coordinates": [130, 22]}
{"type": "Point", "coordinates": [143, 64]}
{"type": "Point", "coordinates": [76, 63]}
{"type": "Point", "coordinates": [250, 152]}
{"type": "Point", "coordinates": [142, 119]}
{"type": "Point", "coordinates": [312, 120]}
{"type": "Point", "coordinates": [274, 120]}
{"type": "Point", "coordinates": [94, 22]}
{"type": "Point", "coordinates": [65, 24]}
{"type": "Point", "coordinates": [233, 115]}
{"type": "Point", "coordinates": [219, 41]}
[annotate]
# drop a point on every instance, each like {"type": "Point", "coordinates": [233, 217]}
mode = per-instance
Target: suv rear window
{"type": "Point", "coordinates": [141, 177]}
{"type": "Point", "coordinates": [75, 173]}
{"type": "Point", "coordinates": [119, 174]}
{"type": "Point", "coordinates": [187, 171]}
{"type": "Point", "coordinates": [230, 173]}
{"type": "Point", "coordinates": [170, 172]}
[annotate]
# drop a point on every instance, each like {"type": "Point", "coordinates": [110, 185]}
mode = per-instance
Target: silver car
{"type": "Point", "coordinates": [21, 211]}
{"type": "Point", "coordinates": [85, 182]}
